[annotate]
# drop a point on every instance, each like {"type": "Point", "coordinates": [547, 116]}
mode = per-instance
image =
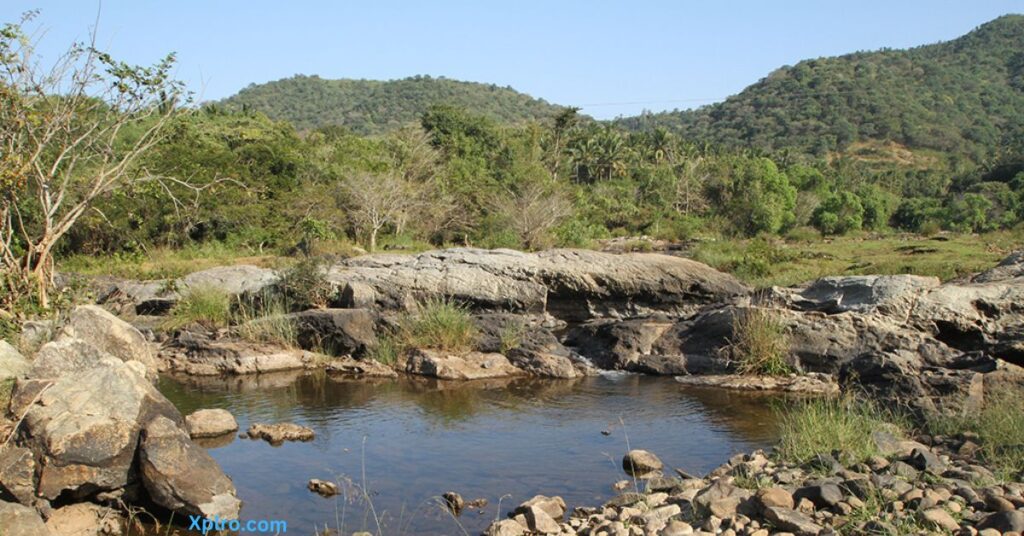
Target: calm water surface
{"type": "Point", "coordinates": [416, 439]}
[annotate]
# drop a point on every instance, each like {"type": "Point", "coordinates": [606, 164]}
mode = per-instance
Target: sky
{"type": "Point", "coordinates": [610, 58]}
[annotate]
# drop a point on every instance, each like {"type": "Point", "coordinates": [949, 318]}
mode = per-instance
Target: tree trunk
{"type": "Point", "coordinates": [373, 239]}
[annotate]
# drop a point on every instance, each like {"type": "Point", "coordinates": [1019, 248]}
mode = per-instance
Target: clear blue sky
{"type": "Point", "coordinates": [595, 54]}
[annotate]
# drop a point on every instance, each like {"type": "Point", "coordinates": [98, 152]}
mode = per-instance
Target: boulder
{"type": "Point", "coordinates": [1003, 522]}
{"type": "Point", "coordinates": [461, 366]}
{"type": "Point", "coordinates": [210, 423]}
{"type": "Point", "coordinates": [570, 284]}
{"type": "Point", "coordinates": [641, 463]}
{"type": "Point", "coordinates": [12, 363]}
{"type": "Point", "coordinates": [202, 355]}
{"type": "Point", "coordinates": [278, 433]}
{"type": "Point", "coordinates": [792, 521]}
{"type": "Point", "coordinates": [68, 356]}
{"type": "Point", "coordinates": [181, 476]}
{"type": "Point", "coordinates": [774, 497]}
{"type": "Point", "coordinates": [722, 499]}
{"type": "Point", "coordinates": [891, 295]}
{"type": "Point", "coordinates": [19, 520]}
{"type": "Point", "coordinates": [84, 428]}
{"type": "Point", "coordinates": [552, 506]}
{"type": "Point", "coordinates": [505, 527]}
{"type": "Point", "coordinates": [109, 334]}
{"type": "Point", "coordinates": [157, 297]}
{"type": "Point", "coordinates": [85, 519]}
{"type": "Point", "coordinates": [322, 488]}
{"type": "Point", "coordinates": [17, 475]}
{"type": "Point", "coordinates": [528, 343]}
{"type": "Point", "coordinates": [1010, 267]}
{"type": "Point", "coordinates": [335, 331]}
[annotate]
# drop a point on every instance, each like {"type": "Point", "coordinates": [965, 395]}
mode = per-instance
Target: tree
{"type": "Point", "coordinates": [70, 133]}
{"type": "Point", "coordinates": [533, 210]}
{"type": "Point", "coordinates": [762, 200]}
{"type": "Point", "coordinates": [839, 214]}
{"type": "Point", "coordinates": [376, 200]}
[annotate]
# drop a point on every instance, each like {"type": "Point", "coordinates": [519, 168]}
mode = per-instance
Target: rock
{"type": "Point", "coordinates": [774, 497]}
{"type": "Point", "coordinates": [569, 284]}
{"type": "Point", "coordinates": [463, 366]}
{"type": "Point", "coordinates": [85, 519]}
{"type": "Point", "coordinates": [335, 331]}
{"type": "Point", "coordinates": [505, 527]}
{"type": "Point", "coordinates": [923, 459]}
{"type": "Point", "coordinates": [823, 495]}
{"type": "Point", "coordinates": [722, 499]}
{"type": "Point", "coordinates": [891, 295]}
{"type": "Point", "coordinates": [17, 475]}
{"type": "Point", "coordinates": [181, 476]}
{"type": "Point", "coordinates": [1010, 267]}
{"type": "Point", "coordinates": [454, 502]}
{"type": "Point", "coordinates": [12, 363]}
{"type": "Point", "coordinates": [19, 520]}
{"type": "Point", "coordinates": [109, 334]}
{"type": "Point", "coordinates": [84, 428]}
{"type": "Point", "coordinates": [677, 527]}
{"type": "Point", "coordinates": [544, 364]}
{"type": "Point", "coordinates": [364, 367]}
{"type": "Point", "coordinates": [322, 488]}
{"type": "Point", "coordinates": [200, 355]}
{"type": "Point", "coordinates": [157, 297]}
{"type": "Point", "coordinates": [210, 423]}
{"type": "Point", "coordinates": [938, 518]}
{"type": "Point", "coordinates": [552, 506]}
{"type": "Point", "coordinates": [68, 356]}
{"type": "Point", "coordinates": [792, 521]}
{"type": "Point", "coordinates": [813, 383]}
{"type": "Point", "coordinates": [538, 521]}
{"type": "Point", "coordinates": [641, 464]}
{"type": "Point", "coordinates": [276, 434]}
{"type": "Point", "coordinates": [35, 333]}
{"type": "Point", "coordinates": [1003, 522]}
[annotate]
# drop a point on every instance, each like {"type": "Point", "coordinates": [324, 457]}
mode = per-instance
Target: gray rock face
{"type": "Point", "coordinates": [200, 355]}
{"type": "Point", "coordinates": [85, 427]}
{"type": "Point", "coordinates": [884, 294]}
{"type": "Point", "coordinates": [12, 363]}
{"type": "Point", "coordinates": [181, 476]}
{"type": "Point", "coordinates": [68, 356]}
{"type": "Point", "coordinates": [1010, 267]}
{"type": "Point", "coordinates": [156, 297]}
{"type": "Point", "coordinates": [210, 423]}
{"type": "Point", "coordinates": [463, 366]}
{"type": "Point", "coordinates": [338, 331]}
{"type": "Point", "coordinates": [109, 334]}
{"type": "Point", "coordinates": [570, 284]}
{"type": "Point", "coordinates": [18, 520]}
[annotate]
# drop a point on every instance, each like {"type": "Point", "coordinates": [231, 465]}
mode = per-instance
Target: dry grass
{"type": "Point", "coordinates": [760, 345]}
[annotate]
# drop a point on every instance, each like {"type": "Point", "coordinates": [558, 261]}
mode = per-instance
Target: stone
{"type": "Point", "coordinates": [84, 428]}
{"type": "Point", "coordinates": [924, 459]}
{"type": "Point", "coordinates": [157, 297]}
{"type": "Point", "coordinates": [68, 356]}
{"type": "Point", "coordinates": [677, 527]}
{"type": "Point", "coordinates": [505, 527]}
{"type": "Point", "coordinates": [774, 497]}
{"type": "Point", "coordinates": [12, 363]}
{"type": "Point", "coordinates": [1003, 521]}
{"type": "Point", "coordinates": [210, 423]}
{"type": "Point", "coordinates": [538, 521]}
{"type": "Point", "coordinates": [792, 521]}
{"type": "Point", "coordinates": [365, 367]}
{"type": "Point", "coordinates": [938, 518]}
{"type": "Point", "coordinates": [109, 334]}
{"type": "Point", "coordinates": [20, 520]}
{"type": "Point", "coordinates": [823, 495]}
{"type": "Point", "coordinates": [454, 502]}
{"type": "Point", "coordinates": [554, 507]}
{"type": "Point", "coordinates": [337, 331]}
{"type": "Point", "coordinates": [85, 519]}
{"type": "Point", "coordinates": [722, 499]}
{"type": "Point", "coordinates": [278, 433]}
{"type": "Point", "coordinates": [641, 463]}
{"type": "Point", "coordinates": [322, 488]}
{"type": "Point", "coordinates": [17, 475]}
{"type": "Point", "coordinates": [180, 476]}
{"type": "Point", "coordinates": [461, 366]}
{"type": "Point", "coordinates": [198, 354]}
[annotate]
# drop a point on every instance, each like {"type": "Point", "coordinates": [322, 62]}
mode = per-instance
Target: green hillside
{"type": "Point", "coordinates": [374, 107]}
{"type": "Point", "coordinates": [964, 97]}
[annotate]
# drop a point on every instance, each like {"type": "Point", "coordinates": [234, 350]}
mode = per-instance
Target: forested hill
{"type": "Point", "coordinates": [374, 107]}
{"type": "Point", "coordinates": [964, 96]}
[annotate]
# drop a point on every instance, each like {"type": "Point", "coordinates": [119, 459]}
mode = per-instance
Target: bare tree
{"type": "Point", "coordinates": [377, 200]}
{"type": "Point", "coordinates": [70, 133]}
{"type": "Point", "coordinates": [533, 210]}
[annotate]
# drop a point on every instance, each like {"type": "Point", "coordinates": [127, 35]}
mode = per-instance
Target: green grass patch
{"type": "Point", "coordinates": [760, 345]}
{"type": "Point", "coordinates": [162, 263]}
{"type": "Point", "coordinates": [265, 321]}
{"type": "Point", "coordinates": [821, 425]}
{"type": "Point", "coordinates": [385, 351]}
{"type": "Point", "coordinates": [1000, 429]}
{"type": "Point", "coordinates": [209, 307]}
{"type": "Point", "coordinates": [440, 324]}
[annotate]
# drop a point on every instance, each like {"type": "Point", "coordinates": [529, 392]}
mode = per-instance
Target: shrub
{"type": "Point", "coordinates": [839, 214]}
{"type": "Point", "coordinates": [760, 344]}
{"type": "Point", "coordinates": [846, 424]}
{"type": "Point", "coordinates": [206, 306]}
{"type": "Point", "coordinates": [440, 324]}
{"type": "Point", "coordinates": [305, 285]}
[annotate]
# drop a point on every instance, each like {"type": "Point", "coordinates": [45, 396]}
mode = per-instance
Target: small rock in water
{"type": "Point", "coordinates": [278, 433]}
{"type": "Point", "coordinates": [621, 485]}
{"type": "Point", "coordinates": [210, 423]}
{"type": "Point", "coordinates": [477, 503]}
{"type": "Point", "coordinates": [641, 464]}
{"type": "Point", "coordinates": [454, 502]}
{"type": "Point", "coordinates": [322, 487]}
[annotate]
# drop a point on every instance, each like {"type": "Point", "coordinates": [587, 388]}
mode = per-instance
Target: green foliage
{"type": "Point", "coordinates": [817, 426]}
{"type": "Point", "coordinates": [304, 285]}
{"type": "Point", "coordinates": [762, 200]}
{"type": "Point", "coordinates": [374, 107]}
{"type": "Point", "coordinates": [209, 307]}
{"type": "Point", "coordinates": [760, 344]}
{"type": "Point", "coordinates": [839, 214]}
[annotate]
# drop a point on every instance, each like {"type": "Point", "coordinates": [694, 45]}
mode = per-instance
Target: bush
{"type": "Point", "coordinates": [846, 424]}
{"type": "Point", "coordinates": [439, 324]}
{"type": "Point", "coordinates": [209, 307]}
{"type": "Point", "coordinates": [305, 285]}
{"type": "Point", "coordinates": [839, 214]}
{"type": "Point", "coordinates": [760, 345]}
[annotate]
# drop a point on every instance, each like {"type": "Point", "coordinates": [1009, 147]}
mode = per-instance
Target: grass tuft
{"type": "Point", "coordinates": [439, 324]}
{"type": "Point", "coordinates": [810, 427]}
{"type": "Point", "coordinates": [209, 307]}
{"type": "Point", "coordinates": [266, 322]}
{"type": "Point", "coordinates": [1000, 429]}
{"type": "Point", "coordinates": [760, 344]}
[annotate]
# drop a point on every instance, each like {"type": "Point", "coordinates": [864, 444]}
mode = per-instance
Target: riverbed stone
{"type": "Point", "coordinates": [109, 334]}
{"type": "Point", "coordinates": [642, 464]}
{"type": "Point", "coordinates": [538, 521]}
{"type": "Point", "coordinates": [938, 518]}
{"type": "Point", "coordinates": [774, 497]}
{"type": "Point", "coordinates": [348, 332]}
{"type": "Point", "coordinates": [201, 354]}
{"type": "Point", "coordinates": [505, 527]}
{"type": "Point", "coordinates": [206, 423]}
{"type": "Point", "coordinates": [20, 520]}
{"type": "Point", "coordinates": [181, 476]}
{"type": "Point", "coordinates": [459, 366]}
{"type": "Point", "coordinates": [552, 506]}
{"type": "Point", "coordinates": [12, 363]}
{"type": "Point", "coordinates": [17, 474]}
{"type": "Point", "coordinates": [792, 521]}
{"type": "Point", "coordinates": [278, 433]}
{"type": "Point", "coordinates": [1003, 522]}
{"type": "Point", "coordinates": [85, 519]}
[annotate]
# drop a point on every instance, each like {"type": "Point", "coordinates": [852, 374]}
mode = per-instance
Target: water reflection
{"type": "Point", "coordinates": [416, 438]}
